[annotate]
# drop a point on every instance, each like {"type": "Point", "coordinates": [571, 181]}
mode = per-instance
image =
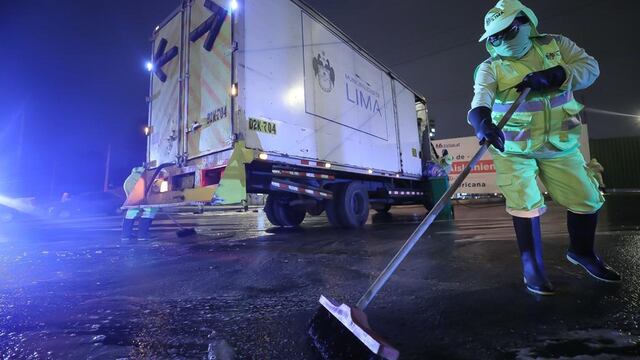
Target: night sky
{"type": "Point", "coordinates": [72, 78]}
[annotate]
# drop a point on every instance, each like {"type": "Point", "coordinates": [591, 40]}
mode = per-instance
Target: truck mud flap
{"type": "Point", "coordinates": [233, 185]}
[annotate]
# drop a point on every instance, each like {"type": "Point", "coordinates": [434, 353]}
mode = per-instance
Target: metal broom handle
{"type": "Point", "coordinates": [437, 208]}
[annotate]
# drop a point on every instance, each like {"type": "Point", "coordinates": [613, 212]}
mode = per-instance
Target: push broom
{"type": "Point", "coordinates": [340, 331]}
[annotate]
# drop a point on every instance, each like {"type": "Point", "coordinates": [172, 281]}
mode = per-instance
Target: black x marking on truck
{"type": "Point", "coordinates": [161, 58]}
{"type": "Point", "coordinates": [212, 25]}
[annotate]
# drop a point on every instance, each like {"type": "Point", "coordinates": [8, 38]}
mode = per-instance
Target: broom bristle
{"type": "Point", "coordinates": [334, 341]}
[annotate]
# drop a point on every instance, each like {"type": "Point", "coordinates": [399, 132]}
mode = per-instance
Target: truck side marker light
{"type": "Point", "coordinates": [263, 156]}
{"type": "Point", "coordinates": [406, 193]}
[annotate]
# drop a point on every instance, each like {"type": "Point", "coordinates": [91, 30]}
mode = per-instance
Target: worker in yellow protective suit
{"type": "Point", "coordinates": [541, 140]}
{"type": "Point", "coordinates": [146, 214]}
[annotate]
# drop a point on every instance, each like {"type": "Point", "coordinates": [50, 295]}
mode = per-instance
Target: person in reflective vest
{"type": "Point", "coordinates": [135, 184]}
{"type": "Point", "coordinates": [541, 140]}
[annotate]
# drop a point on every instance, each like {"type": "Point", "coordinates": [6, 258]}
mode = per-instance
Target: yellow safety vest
{"type": "Point", "coordinates": [543, 117]}
{"type": "Point", "coordinates": [130, 182]}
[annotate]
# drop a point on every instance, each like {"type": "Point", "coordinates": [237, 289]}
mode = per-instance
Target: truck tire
{"type": "Point", "coordinates": [332, 205]}
{"type": "Point", "coordinates": [270, 212]}
{"type": "Point", "coordinates": [282, 213]}
{"type": "Point", "coordinates": [352, 205]}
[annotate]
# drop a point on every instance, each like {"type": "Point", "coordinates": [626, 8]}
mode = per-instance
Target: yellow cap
{"type": "Point", "coordinates": [502, 15]}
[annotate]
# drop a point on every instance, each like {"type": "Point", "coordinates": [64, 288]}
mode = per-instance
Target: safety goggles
{"type": "Point", "coordinates": [509, 33]}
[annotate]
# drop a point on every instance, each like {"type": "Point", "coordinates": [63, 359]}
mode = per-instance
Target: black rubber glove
{"type": "Point", "coordinates": [549, 79]}
{"type": "Point", "coordinates": [486, 130]}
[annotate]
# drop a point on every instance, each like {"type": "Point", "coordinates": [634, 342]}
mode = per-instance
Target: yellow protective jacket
{"type": "Point", "coordinates": [132, 180]}
{"type": "Point", "coordinates": [545, 118]}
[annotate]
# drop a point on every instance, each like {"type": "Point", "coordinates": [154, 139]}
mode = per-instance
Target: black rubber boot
{"type": "Point", "coordinates": [530, 244]}
{"type": "Point", "coordinates": [582, 232]}
{"type": "Point", "coordinates": [143, 228]}
{"type": "Point", "coordinates": [127, 229]}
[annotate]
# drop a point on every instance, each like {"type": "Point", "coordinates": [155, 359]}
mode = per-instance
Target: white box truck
{"type": "Point", "coordinates": [267, 96]}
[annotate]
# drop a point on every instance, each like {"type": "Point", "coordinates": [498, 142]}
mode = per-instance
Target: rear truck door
{"type": "Point", "coordinates": [209, 65]}
{"type": "Point", "coordinates": [408, 129]}
{"type": "Point", "coordinates": [164, 109]}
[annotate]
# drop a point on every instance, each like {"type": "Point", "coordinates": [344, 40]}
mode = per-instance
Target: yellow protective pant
{"type": "Point", "coordinates": [565, 177]}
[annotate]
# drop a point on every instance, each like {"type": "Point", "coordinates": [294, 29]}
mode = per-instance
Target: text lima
{"type": "Point", "coordinates": [365, 101]}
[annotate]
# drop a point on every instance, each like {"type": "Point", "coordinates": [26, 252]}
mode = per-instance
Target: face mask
{"type": "Point", "coordinates": [518, 46]}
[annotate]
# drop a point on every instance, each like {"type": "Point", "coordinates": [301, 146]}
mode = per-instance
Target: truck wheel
{"type": "Point", "coordinates": [291, 216]}
{"type": "Point", "coordinates": [331, 206]}
{"type": "Point", "coordinates": [283, 213]}
{"type": "Point", "coordinates": [270, 212]}
{"type": "Point", "coordinates": [352, 205]}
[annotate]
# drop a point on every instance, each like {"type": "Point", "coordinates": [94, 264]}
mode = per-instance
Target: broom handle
{"type": "Point", "coordinates": [437, 208]}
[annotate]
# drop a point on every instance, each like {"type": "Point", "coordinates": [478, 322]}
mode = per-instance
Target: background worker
{"type": "Point", "coordinates": [146, 214]}
{"type": "Point", "coordinates": [446, 161]}
{"type": "Point", "coordinates": [542, 137]}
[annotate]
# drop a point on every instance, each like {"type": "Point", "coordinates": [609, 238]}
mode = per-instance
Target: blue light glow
{"type": "Point", "coordinates": [233, 5]}
{"type": "Point", "coordinates": [149, 66]}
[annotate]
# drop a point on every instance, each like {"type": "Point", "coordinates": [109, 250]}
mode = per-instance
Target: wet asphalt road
{"type": "Point", "coordinates": [243, 290]}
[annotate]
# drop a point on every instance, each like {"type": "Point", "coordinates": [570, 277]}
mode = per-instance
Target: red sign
{"type": "Point", "coordinates": [483, 166]}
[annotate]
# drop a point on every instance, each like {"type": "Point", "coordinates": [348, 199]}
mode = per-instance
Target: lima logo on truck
{"type": "Point", "coordinates": [358, 92]}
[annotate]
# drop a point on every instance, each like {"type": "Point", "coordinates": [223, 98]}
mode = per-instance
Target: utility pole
{"type": "Point", "coordinates": [107, 165]}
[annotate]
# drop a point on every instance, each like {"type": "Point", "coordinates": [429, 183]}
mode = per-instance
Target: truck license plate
{"type": "Point", "coordinates": [262, 126]}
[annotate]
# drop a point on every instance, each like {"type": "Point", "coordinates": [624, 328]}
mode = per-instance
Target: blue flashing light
{"type": "Point", "coordinates": [149, 66]}
{"type": "Point", "coordinates": [233, 5]}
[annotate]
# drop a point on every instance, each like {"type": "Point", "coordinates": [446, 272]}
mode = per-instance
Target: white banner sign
{"type": "Point", "coordinates": [482, 179]}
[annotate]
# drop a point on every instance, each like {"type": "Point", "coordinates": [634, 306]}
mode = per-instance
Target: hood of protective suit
{"type": "Point", "coordinates": [502, 15]}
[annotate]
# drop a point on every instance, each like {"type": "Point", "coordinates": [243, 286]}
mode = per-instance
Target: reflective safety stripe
{"type": "Point", "coordinates": [517, 135]}
{"type": "Point", "coordinates": [535, 105]}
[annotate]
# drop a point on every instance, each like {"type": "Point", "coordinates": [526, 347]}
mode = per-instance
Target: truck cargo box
{"type": "Point", "coordinates": [240, 88]}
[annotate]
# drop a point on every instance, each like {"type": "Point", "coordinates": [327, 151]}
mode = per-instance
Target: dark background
{"type": "Point", "coordinates": [72, 78]}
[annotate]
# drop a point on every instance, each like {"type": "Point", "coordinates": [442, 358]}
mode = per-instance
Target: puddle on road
{"type": "Point", "coordinates": [599, 344]}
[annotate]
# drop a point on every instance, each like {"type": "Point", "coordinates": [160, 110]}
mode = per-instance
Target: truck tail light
{"type": "Point", "coordinates": [164, 186]}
